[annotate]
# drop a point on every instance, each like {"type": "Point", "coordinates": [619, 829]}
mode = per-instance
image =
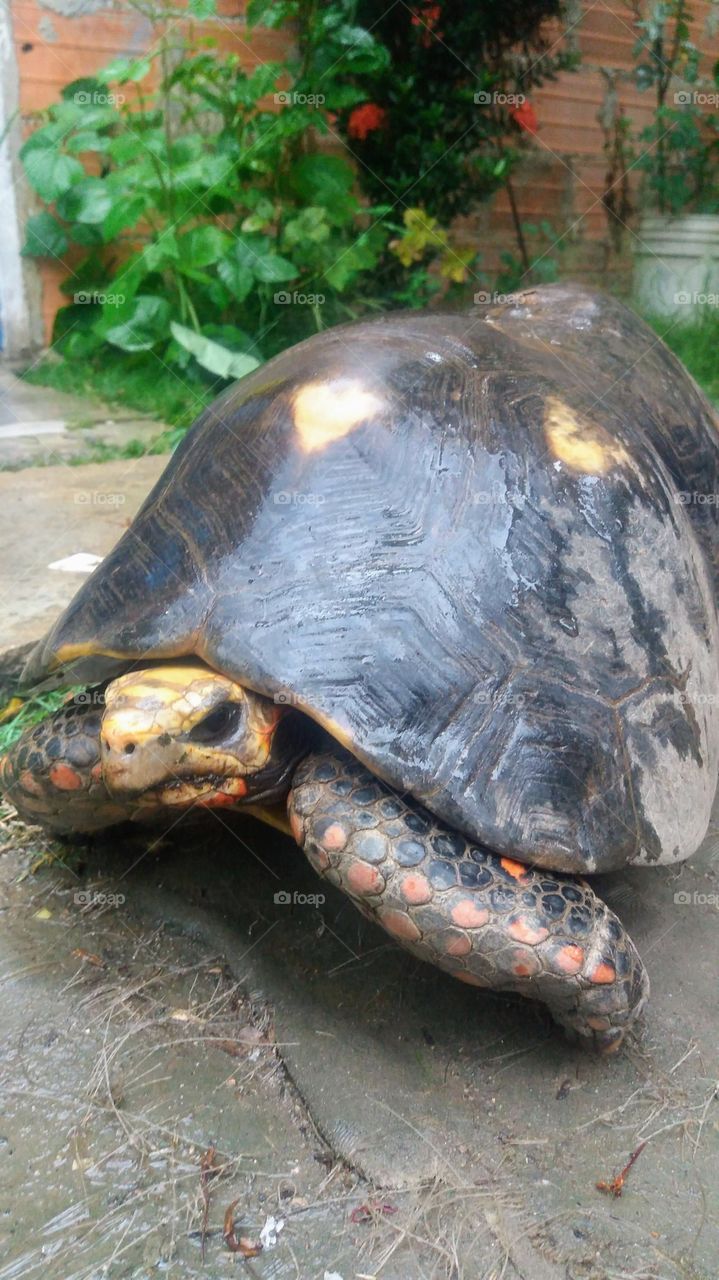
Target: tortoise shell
{"type": "Point", "coordinates": [481, 549]}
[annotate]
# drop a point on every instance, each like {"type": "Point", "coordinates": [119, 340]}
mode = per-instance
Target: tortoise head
{"type": "Point", "coordinates": [169, 737]}
{"type": "Point", "coordinates": [180, 733]}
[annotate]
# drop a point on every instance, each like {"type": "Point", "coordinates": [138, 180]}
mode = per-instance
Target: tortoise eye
{"type": "Point", "coordinates": [217, 724]}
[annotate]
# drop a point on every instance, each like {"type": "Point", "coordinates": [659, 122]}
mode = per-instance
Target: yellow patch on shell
{"type": "Point", "coordinates": [327, 411]}
{"type": "Point", "coordinates": [580, 443]}
{"type": "Point", "coordinates": [68, 653]}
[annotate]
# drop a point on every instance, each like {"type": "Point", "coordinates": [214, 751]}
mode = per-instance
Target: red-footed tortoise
{"type": "Point", "coordinates": [445, 584]}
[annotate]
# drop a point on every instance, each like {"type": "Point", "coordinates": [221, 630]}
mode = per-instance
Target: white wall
{"type": "Point", "coordinates": [18, 336]}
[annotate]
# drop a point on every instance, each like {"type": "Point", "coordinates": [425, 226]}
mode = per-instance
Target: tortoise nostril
{"type": "Point", "coordinates": [128, 748]}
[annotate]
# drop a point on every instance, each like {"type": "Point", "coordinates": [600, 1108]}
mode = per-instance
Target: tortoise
{"type": "Point", "coordinates": [435, 593]}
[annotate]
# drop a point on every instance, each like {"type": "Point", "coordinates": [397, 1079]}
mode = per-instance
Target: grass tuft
{"type": "Point", "coordinates": [30, 713]}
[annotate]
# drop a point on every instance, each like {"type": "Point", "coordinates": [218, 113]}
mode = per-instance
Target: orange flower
{"type": "Point", "coordinates": [525, 116]}
{"type": "Point", "coordinates": [365, 119]}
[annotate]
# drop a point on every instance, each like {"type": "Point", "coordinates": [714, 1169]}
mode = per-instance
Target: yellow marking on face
{"type": "Point", "coordinates": [580, 443]}
{"type": "Point", "coordinates": [148, 716]}
{"type": "Point", "coordinates": [327, 411]}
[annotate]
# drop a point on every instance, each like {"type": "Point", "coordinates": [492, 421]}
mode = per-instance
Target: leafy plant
{"type": "Point", "coordinates": [200, 228]}
{"type": "Point", "coordinates": [205, 215]}
{"type": "Point", "coordinates": [680, 147]}
{"type": "Point", "coordinates": [543, 247]}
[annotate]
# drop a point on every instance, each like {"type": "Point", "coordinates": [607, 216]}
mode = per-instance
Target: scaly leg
{"type": "Point", "coordinates": [489, 921]}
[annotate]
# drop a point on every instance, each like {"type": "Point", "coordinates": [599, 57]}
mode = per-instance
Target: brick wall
{"type": "Point", "coordinates": [57, 41]}
{"type": "Point", "coordinates": [562, 179]}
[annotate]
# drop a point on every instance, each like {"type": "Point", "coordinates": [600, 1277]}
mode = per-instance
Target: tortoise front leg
{"type": "Point", "coordinates": [488, 920]}
{"type": "Point", "coordinates": [53, 774]}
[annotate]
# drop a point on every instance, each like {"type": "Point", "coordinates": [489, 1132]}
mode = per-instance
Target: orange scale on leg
{"type": "Point", "coordinates": [468, 915]}
{"type": "Point", "coordinates": [65, 778]}
{"type": "Point", "coordinates": [603, 973]}
{"type": "Point", "coordinates": [471, 979]}
{"type": "Point", "coordinates": [334, 838]}
{"type": "Point", "coordinates": [415, 889]}
{"type": "Point", "coordinates": [399, 924]}
{"type": "Point", "coordinates": [455, 944]}
{"type": "Point", "coordinates": [364, 879]}
{"type": "Point", "coordinates": [30, 784]}
{"type": "Point", "coordinates": [516, 869]}
{"type": "Point", "coordinates": [525, 963]}
{"type": "Point", "coordinates": [568, 959]}
{"type": "Point", "coordinates": [524, 930]}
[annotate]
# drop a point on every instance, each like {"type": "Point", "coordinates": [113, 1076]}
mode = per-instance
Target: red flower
{"type": "Point", "coordinates": [428, 19]}
{"type": "Point", "coordinates": [365, 119]}
{"type": "Point", "coordinates": [525, 116]}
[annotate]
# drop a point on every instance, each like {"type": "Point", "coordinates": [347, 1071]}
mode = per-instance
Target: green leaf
{"type": "Point", "coordinates": [208, 171]}
{"type": "Point", "coordinates": [87, 140]}
{"type": "Point", "coordinates": [321, 179]}
{"type": "Point", "coordinates": [126, 147]}
{"type": "Point", "coordinates": [45, 137]}
{"type": "Point", "coordinates": [45, 237]}
{"type": "Point", "coordinates": [86, 201]}
{"type": "Point", "coordinates": [358, 256]}
{"type": "Point", "coordinates": [203, 246]}
{"type": "Point", "coordinates": [123, 214]}
{"type": "Point", "coordinates": [203, 8]}
{"type": "Point", "coordinates": [85, 85]}
{"type": "Point", "coordinates": [120, 70]}
{"type": "Point", "coordinates": [234, 272]}
{"type": "Point", "coordinates": [310, 224]}
{"type": "Point", "coordinates": [161, 253]}
{"type": "Point", "coordinates": [135, 325]}
{"type": "Point", "coordinates": [50, 172]}
{"type": "Point", "coordinates": [211, 355]}
{"type": "Point", "coordinates": [272, 268]}
{"type": "Point", "coordinates": [86, 233]}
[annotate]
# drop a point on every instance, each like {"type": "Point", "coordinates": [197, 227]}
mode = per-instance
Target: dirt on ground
{"type": "Point", "coordinates": [192, 1064]}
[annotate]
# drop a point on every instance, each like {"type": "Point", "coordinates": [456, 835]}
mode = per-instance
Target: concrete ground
{"type": "Point", "coordinates": [45, 427]}
{"type": "Point", "coordinates": [160, 1002]}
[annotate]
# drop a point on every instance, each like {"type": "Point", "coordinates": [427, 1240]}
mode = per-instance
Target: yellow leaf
{"type": "Point", "coordinates": [11, 709]}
